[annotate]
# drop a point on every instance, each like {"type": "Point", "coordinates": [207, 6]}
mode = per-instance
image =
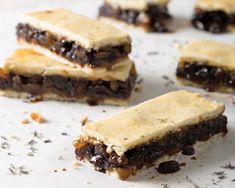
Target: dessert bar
{"type": "Point", "coordinates": [137, 137]}
{"type": "Point", "coordinates": [28, 74]}
{"type": "Point", "coordinates": [150, 15]}
{"type": "Point", "coordinates": [208, 64]}
{"type": "Point", "coordinates": [73, 39]}
{"type": "Point", "coordinates": [216, 16]}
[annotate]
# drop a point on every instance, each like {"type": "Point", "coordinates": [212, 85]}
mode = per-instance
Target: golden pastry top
{"type": "Point", "coordinates": [224, 5]}
{"type": "Point", "coordinates": [152, 120]}
{"type": "Point", "coordinates": [209, 52]}
{"type": "Point", "coordinates": [28, 62]}
{"type": "Point", "coordinates": [136, 4]}
{"type": "Point", "coordinates": [89, 33]}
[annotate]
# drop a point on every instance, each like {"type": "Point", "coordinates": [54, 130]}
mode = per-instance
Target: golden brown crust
{"type": "Point", "coordinates": [89, 33]}
{"type": "Point", "coordinates": [28, 62]}
{"type": "Point", "coordinates": [217, 54]}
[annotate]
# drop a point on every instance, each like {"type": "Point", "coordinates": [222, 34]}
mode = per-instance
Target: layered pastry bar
{"type": "Point", "coordinates": [28, 74]}
{"type": "Point", "coordinates": [73, 39]}
{"type": "Point", "coordinates": [216, 16]}
{"type": "Point", "coordinates": [150, 15]}
{"type": "Point", "coordinates": [138, 137]}
{"type": "Point", "coordinates": [208, 64]}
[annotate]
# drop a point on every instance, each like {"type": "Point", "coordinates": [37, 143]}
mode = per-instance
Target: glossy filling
{"type": "Point", "coordinates": [154, 18]}
{"type": "Point", "coordinates": [94, 91]}
{"type": "Point", "coordinates": [147, 154]}
{"type": "Point", "coordinates": [71, 50]}
{"type": "Point", "coordinates": [209, 77]}
{"type": "Point", "coordinates": [216, 21]}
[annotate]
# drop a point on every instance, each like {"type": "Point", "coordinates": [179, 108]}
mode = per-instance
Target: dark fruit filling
{"type": "Point", "coordinates": [208, 76]}
{"type": "Point", "coordinates": [71, 50]}
{"type": "Point", "coordinates": [68, 87]}
{"type": "Point", "coordinates": [154, 17]}
{"type": "Point", "coordinates": [147, 154]}
{"type": "Point", "coordinates": [212, 21]}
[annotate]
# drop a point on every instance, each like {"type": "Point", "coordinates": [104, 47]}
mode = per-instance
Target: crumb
{"type": "Point", "coordinates": [32, 99]}
{"type": "Point", "coordinates": [37, 118]}
{"type": "Point", "coordinates": [55, 171]}
{"type": "Point", "coordinates": [25, 121]}
{"type": "Point", "coordinates": [178, 46]}
{"type": "Point", "coordinates": [193, 158]}
{"type": "Point", "coordinates": [151, 177]}
{"type": "Point", "coordinates": [15, 137]}
{"type": "Point", "coordinates": [182, 164]}
{"type": "Point", "coordinates": [233, 180]}
{"type": "Point", "coordinates": [64, 169]}
{"type": "Point", "coordinates": [84, 120]}
{"type": "Point", "coordinates": [138, 88]}
{"type": "Point", "coordinates": [75, 164]}
{"type": "Point", "coordinates": [104, 111]}
{"type": "Point", "coordinates": [30, 154]}
{"type": "Point", "coordinates": [231, 98]}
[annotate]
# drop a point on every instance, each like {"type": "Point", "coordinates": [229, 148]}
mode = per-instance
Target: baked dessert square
{"type": "Point", "coordinates": [216, 16]}
{"type": "Point", "coordinates": [149, 15]}
{"type": "Point", "coordinates": [138, 137]}
{"type": "Point", "coordinates": [27, 74]}
{"type": "Point", "coordinates": [208, 64]}
{"type": "Point", "coordinates": [73, 39]}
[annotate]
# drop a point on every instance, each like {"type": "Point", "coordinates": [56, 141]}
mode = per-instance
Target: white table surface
{"type": "Point", "coordinates": [65, 117]}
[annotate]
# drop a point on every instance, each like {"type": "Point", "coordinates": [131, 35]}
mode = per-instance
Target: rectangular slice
{"type": "Point", "coordinates": [138, 137]}
{"type": "Point", "coordinates": [150, 15]}
{"type": "Point", "coordinates": [73, 39]}
{"type": "Point", "coordinates": [28, 74]}
{"type": "Point", "coordinates": [208, 64]}
{"type": "Point", "coordinates": [216, 16]}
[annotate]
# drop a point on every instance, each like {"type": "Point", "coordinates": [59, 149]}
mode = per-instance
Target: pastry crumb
{"type": "Point", "coordinates": [84, 120]}
{"type": "Point", "coordinates": [75, 164]}
{"type": "Point", "coordinates": [37, 118]}
{"type": "Point", "coordinates": [178, 46]}
{"type": "Point", "coordinates": [25, 121]}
